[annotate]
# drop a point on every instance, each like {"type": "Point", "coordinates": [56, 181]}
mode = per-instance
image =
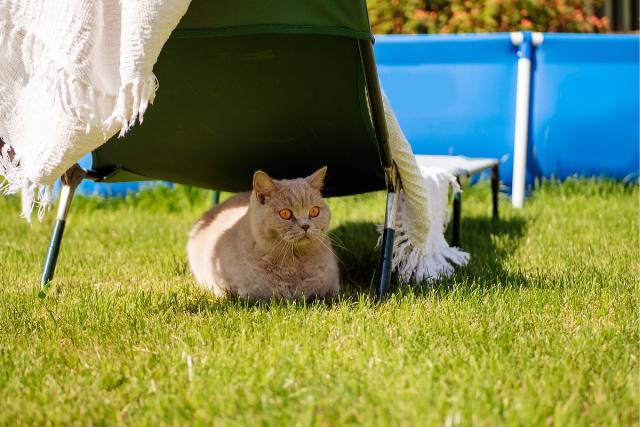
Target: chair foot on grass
{"type": "Point", "coordinates": [456, 220]}
{"type": "Point", "coordinates": [70, 181]}
{"type": "Point", "coordinates": [215, 198]}
{"type": "Point", "coordinates": [388, 234]}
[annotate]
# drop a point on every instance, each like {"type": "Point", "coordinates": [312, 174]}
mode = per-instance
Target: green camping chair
{"type": "Point", "coordinates": [286, 86]}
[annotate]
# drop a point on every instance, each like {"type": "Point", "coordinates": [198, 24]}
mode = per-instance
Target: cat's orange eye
{"type": "Point", "coordinates": [285, 214]}
{"type": "Point", "coordinates": [314, 212]}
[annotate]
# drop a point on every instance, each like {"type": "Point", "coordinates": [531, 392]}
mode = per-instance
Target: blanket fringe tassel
{"type": "Point", "coordinates": [433, 258]}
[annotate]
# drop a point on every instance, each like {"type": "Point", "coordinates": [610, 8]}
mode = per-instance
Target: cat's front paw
{"type": "Point", "coordinates": [332, 291]}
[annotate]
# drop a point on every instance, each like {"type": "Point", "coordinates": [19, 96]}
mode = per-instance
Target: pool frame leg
{"type": "Point", "coordinates": [70, 181]}
{"type": "Point", "coordinates": [388, 233]}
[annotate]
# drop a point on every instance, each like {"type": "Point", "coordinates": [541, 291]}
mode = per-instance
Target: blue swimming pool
{"type": "Point", "coordinates": [456, 94]}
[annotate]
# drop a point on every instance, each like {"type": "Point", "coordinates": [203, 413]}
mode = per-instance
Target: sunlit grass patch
{"type": "Point", "coordinates": [540, 328]}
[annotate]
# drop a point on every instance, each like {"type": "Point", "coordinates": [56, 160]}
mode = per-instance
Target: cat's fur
{"type": "Point", "coordinates": [244, 247]}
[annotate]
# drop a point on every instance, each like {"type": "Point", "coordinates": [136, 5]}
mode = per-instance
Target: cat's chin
{"type": "Point", "coordinates": [303, 240]}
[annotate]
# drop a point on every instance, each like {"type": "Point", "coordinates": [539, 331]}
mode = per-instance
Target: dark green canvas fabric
{"type": "Point", "coordinates": [233, 17]}
{"type": "Point", "coordinates": [230, 105]}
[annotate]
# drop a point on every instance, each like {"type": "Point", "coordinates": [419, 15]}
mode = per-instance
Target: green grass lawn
{"type": "Point", "coordinates": [540, 329]}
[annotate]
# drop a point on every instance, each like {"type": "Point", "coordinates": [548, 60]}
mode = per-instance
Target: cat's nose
{"type": "Point", "coordinates": [305, 227]}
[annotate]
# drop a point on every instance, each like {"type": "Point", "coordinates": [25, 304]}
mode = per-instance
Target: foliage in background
{"type": "Point", "coordinates": [465, 16]}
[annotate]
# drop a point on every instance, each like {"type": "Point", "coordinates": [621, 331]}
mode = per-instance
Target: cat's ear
{"type": "Point", "coordinates": [263, 185]}
{"type": "Point", "coordinates": [316, 179]}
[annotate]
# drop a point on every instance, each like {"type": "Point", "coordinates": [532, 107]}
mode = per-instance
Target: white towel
{"type": "Point", "coordinates": [72, 74]}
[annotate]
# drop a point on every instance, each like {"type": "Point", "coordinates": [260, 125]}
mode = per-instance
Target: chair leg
{"type": "Point", "coordinates": [70, 181]}
{"type": "Point", "coordinates": [456, 226]}
{"type": "Point", "coordinates": [215, 198]}
{"type": "Point", "coordinates": [52, 253]}
{"type": "Point", "coordinates": [388, 235]}
{"type": "Point", "coordinates": [495, 187]}
{"type": "Point", "coordinates": [385, 266]}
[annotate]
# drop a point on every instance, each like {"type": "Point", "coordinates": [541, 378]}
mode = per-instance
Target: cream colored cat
{"type": "Point", "coordinates": [270, 242]}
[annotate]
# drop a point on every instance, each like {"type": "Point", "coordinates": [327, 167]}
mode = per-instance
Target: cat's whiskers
{"type": "Point", "coordinates": [293, 253]}
{"type": "Point", "coordinates": [282, 254]}
{"type": "Point", "coordinates": [282, 247]}
{"type": "Point", "coordinates": [275, 246]}
{"type": "Point", "coordinates": [289, 247]}
{"type": "Point", "coordinates": [319, 234]}
{"type": "Point", "coordinates": [280, 239]}
{"type": "Point", "coordinates": [337, 242]}
{"type": "Point", "coordinates": [329, 248]}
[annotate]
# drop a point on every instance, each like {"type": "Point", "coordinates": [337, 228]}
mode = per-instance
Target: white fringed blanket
{"type": "Point", "coordinates": [72, 74]}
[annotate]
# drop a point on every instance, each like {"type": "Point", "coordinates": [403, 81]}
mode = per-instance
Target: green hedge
{"type": "Point", "coordinates": [464, 16]}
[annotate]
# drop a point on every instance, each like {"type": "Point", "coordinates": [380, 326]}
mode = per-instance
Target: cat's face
{"type": "Point", "coordinates": [291, 211]}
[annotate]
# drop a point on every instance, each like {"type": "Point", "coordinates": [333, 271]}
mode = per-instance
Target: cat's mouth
{"type": "Point", "coordinates": [302, 238]}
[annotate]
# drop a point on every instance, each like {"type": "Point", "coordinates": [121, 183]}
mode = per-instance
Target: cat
{"type": "Point", "coordinates": [271, 242]}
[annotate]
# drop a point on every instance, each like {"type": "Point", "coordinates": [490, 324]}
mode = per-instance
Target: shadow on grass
{"type": "Point", "coordinates": [355, 245]}
{"type": "Point", "coordinates": [489, 243]}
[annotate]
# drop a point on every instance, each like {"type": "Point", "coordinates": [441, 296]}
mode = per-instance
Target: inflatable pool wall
{"type": "Point", "coordinates": [456, 94]}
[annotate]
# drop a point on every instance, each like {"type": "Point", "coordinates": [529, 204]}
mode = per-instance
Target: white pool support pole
{"type": "Point", "coordinates": [525, 43]}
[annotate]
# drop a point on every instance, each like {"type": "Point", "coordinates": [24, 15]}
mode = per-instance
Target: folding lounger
{"type": "Point", "coordinates": [286, 86]}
